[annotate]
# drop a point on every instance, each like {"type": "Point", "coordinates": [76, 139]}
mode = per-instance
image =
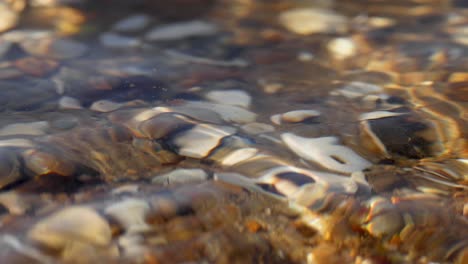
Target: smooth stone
{"type": "Point", "coordinates": [72, 224]}
{"type": "Point", "coordinates": [181, 176]}
{"type": "Point", "coordinates": [66, 102]}
{"type": "Point", "coordinates": [342, 48]}
{"type": "Point", "coordinates": [130, 213]}
{"type": "Point", "coordinates": [9, 167]}
{"type": "Point", "coordinates": [228, 113]}
{"type": "Point", "coordinates": [181, 30]}
{"type": "Point", "coordinates": [54, 48]}
{"type": "Point", "coordinates": [32, 128]}
{"type": "Point", "coordinates": [4, 47]}
{"type": "Point", "coordinates": [378, 115]}
{"type": "Point", "coordinates": [230, 97]}
{"type": "Point", "coordinates": [357, 89]}
{"type": "Point", "coordinates": [199, 141]}
{"type": "Point", "coordinates": [116, 41]}
{"type": "Point", "coordinates": [132, 23]}
{"type": "Point", "coordinates": [326, 152]}
{"type": "Point", "coordinates": [238, 155]}
{"type": "Point", "coordinates": [16, 142]}
{"type": "Point", "coordinates": [257, 128]}
{"type": "Point", "coordinates": [8, 17]}
{"type": "Point", "coordinates": [105, 106]}
{"type": "Point", "coordinates": [307, 21]}
{"type": "Point", "coordinates": [295, 116]}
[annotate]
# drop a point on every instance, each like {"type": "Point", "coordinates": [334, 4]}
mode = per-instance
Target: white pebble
{"type": "Point", "coordinates": [181, 176]}
{"type": "Point", "coordinates": [342, 48]}
{"type": "Point", "coordinates": [230, 97]}
{"type": "Point", "coordinates": [181, 30]}
{"type": "Point", "coordinates": [199, 141]}
{"type": "Point", "coordinates": [105, 106]}
{"type": "Point", "coordinates": [307, 21]}
{"type": "Point", "coordinates": [238, 155]}
{"type": "Point", "coordinates": [67, 102]}
{"type": "Point", "coordinates": [131, 214]}
{"type": "Point", "coordinates": [16, 142]}
{"type": "Point", "coordinates": [116, 41]}
{"type": "Point", "coordinates": [295, 116]}
{"type": "Point", "coordinates": [378, 115]}
{"type": "Point", "coordinates": [132, 23]}
{"type": "Point", "coordinates": [32, 128]}
{"type": "Point", "coordinates": [326, 152]}
{"type": "Point", "coordinates": [228, 113]}
{"type": "Point", "coordinates": [70, 225]}
{"type": "Point", "coordinates": [257, 128]}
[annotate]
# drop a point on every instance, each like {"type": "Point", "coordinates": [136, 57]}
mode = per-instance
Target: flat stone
{"type": "Point", "coordinates": [342, 48]}
{"type": "Point", "coordinates": [326, 152]}
{"type": "Point", "coordinates": [55, 48]}
{"type": "Point", "coordinates": [257, 128]}
{"type": "Point", "coordinates": [230, 97]}
{"type": "Point", "coordinates": [238, 155]}
{"type": "Point", "coordinates": [307, 21]}
{"type": "Point", "coordinates": [117, 41]}
{"type": "Point", "coordinates": [228, 113]}
{"type": "Point", "coordinates": [199, 141]}
{"type": "Point", "coordinates": [295, 116]}
{"type": "Point", "coordinates": [357, 90]}
{"type": "Point", "coordinates": [16, 142]}
{"type": "Point", "coordinates": [32, 128]}
{"type": "Point", "coordinates": [105, 106]}
{"type": "Point", "coordinates": [181, 176]}
{"type": "Point", "coordinates": [66, 102]}
{"type": "Point", "coordinates": [132, 23]}
{"type": "Point", "coordinates": [72, 224]}
{"type": "Point", "coordinates": [130, 213]}
{"type": "Point", "coordinates": [181, 30]}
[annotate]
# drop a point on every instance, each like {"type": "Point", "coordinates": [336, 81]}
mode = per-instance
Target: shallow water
{"type": "Point", "coordinates": [233, 131]}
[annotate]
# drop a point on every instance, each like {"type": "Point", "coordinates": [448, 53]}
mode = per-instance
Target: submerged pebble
{"type": "Point", "coordinates": [117, 41]}
{"type": "Point", "coordinates": [230, 97]}
{"type": "Point", "coordinates": [307, 21]}
{"type": "Point", "coordinates": [132, 23]}
{"type": "Point", "coordinates": [181, 30]}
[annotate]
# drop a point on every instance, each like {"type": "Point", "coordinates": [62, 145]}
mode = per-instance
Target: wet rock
{"type": "Point", "coordinates": [9, 167]}
{"type": "Point", "coordinates": [105, 106]}
{"type": "Point", "coordinates": [199, 141]}
{"type": "Point", "coordinates": [181, 176]}
{"type": "Point", "coordinates": [228, 113]}
{"type": "Point", "coordinates": [55, 48]}
{"type": "Point", "coordinates": [295, 116]}
{"type": "Point", "coordinates": [238, 156]}
{"type": "Point", "coordinates": [132, 23]}
{"type": "Point", "coordinates": [257, 128]}
{"type": "Point", "coordinates": [36, 67]}
{"type": "Point", "coordinates": [116, 41]}
{"type": "Point", "coordinates": [32, 128]}
{"type": "Point", "coordinates": [75, 224]}
{"type": "Point", "coordinates": [326, 152]}
{"type": "Point", "coordinates": [9, 17]}
{"type": "Point", "coordinates": [307, 21]}
{"type": "Point", "coordinates": [67, 102]}
{"type": "Point", "coordinates": [230, 97]}
{"type": "Point", "coordinates": [342, 48]}
{"type": "Point", "coordinates": [181, 30]}
{"type": "Point", "coordinates": [130, 213]}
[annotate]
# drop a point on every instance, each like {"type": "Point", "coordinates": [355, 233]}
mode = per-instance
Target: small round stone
{"type": "Point", "coordinates": [230, 97]}
{"type": "Point", "coordinates": [307, 21]}
{"type": "Point", "coordinates": [70, 225]}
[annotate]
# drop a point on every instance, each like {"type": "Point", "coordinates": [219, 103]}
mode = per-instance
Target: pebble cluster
{"type": "Point", "coordinates": [189, 141]}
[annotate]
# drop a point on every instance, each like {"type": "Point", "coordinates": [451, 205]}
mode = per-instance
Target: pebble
{"type": "Point", "coordinates": [132, 23]}
{"type": "Point", "coordinates": [54, 48]}
{"type": "Point", "coordinates": [230, 97]}
{"type": "Point", "coordinates": [199, 141]}
{"type": "Point", "coordinates": [378, 115]}
{"type": "Point", "coordinates": [307, 21]}
{"type": "Point", "coordinates": [74, 224]}
{"type": "Point", "coordinates": [4, 47]}
{"type": "Point", "coordinates": [130, 213]}
{"type": "Point", "coordinates": [181, 176]}
{"type": "Point", "coordinates": [357, 89]}
{"type": "Point", "coordinates": [9, 167]}
{"type": "Point", "coordinates": [117, 41]}
{"type": "Point", "coordinates": [105, 106]}
{"type": "Point", "coordinates": [342, 48]}
{"type": "Point", "coordinates": [295, 116]}
{"type": "Point", "coordinates": [238, 155]}
{"type": "Point", "coordinates": [66, 102]}
{"type": "Point", "coordinates": [16, 142]}
{"type": "Point", "coordinates": [14, 202]}
{"type": "Point", "coordinates": [32, 128]}
{"type": "Point", "coordinates": [8, 17]}
{"type": "Point", "coordinates": [181, 30]}
{"type": "Point", "coordinates": [36, 67]}
{"type": "Point", "coordinates": [228, 113]}
{"type": "Point", "coordinates": [257, 128]}
{"type": "Point", "coordinates": [326, 152]}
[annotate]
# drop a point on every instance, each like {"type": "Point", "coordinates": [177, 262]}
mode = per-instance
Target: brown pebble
{"type": "Point", "coordinates": [253, 226]}
{"type": "Point", "coordinates": [36, 67]}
